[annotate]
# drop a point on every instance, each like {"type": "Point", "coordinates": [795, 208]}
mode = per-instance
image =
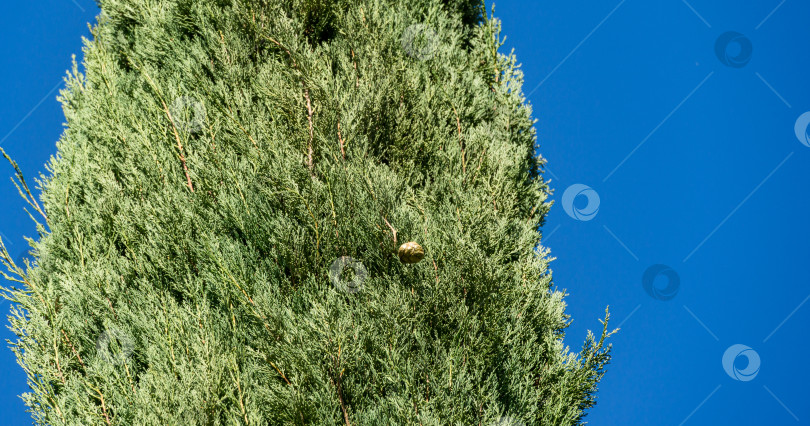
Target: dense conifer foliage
{"type": "Point", "coordinates": [297, 212]}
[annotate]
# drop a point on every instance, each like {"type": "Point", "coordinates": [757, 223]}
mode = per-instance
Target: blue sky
{"type": "Point", "coordinates": [680, 150]}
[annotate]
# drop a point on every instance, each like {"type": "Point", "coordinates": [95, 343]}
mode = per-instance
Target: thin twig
{"type": "Point", "coordinates": [460, 142]}
{"type": "Point", "coordinates": [101, 397]}
{"type": "Point", "coordinates": [309, 105]}
{"type": "Point", "coordinates": [255, 145]}
{"type": "Point", "coordinates": [311, 128]}
{"type": "Point", "coordinates": [104, 408]}
{"type": "Point", "coordinates": [356, 75]}
{"type": "Point", "coordinates": [339, 389]}
{"type": "Point", "coordinates": [179, 145]}
{"type": "Point", "coordinates": [295, 64]}
{"type": "Point", "coordinates": [74, 349]}
{"type": "Point", "coordinates": [29, 198]}
{"type": "Point", "coordinates": [58, 366]}
{"type": "Point", "coordinates": [239, 387]}
{"type": "Point", "coordinates": [394, 231]}
{"type": "Point", "coordinates": [480, 161]}
{"type": "Point", "coordinates": [279, 372]}
{"type": "Point", "coordinates": [171, 120]}
{"type": "Point", "coordinates": [340, 139]}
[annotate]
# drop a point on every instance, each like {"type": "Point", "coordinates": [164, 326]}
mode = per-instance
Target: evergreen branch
{"type": "Point", "coordinates": [56, 356]}
{"type": "Point", "coordinates": [220, 253]}
{"type": "Point", "coordinates": [480, 162]}
{"type": "Point", "coordinates": [340, 398]}
{"type": "Point", "coordinates": [460, 142]}
{"type": "Point", "coordinates": [255, 312]}
{"type": "Point", "coordinates": [306, 204]}
{"type": "Point", "coordinates": [67, 195]}
{"type": "Point", "coordinates": [171, 120]}
{"type": "Point", "coordinates": [56, 407]}
{"type": "Point", "coordinates": [310, 112]}
{"type": "Point", "coordinates": [332, 205]}
{"type": "Point", "coordinates": [340, 139]}
{"type": "Point", "coordinates": [393, 231]}
{"type": "Point", "coordinates": [279, 372]}
{"type": "Point", "coordinates": [101, 397]}
{"type": "Point", "coordinates": [356, 73]}
{"type": "Point", "coordinates": [10, 265]}
{"type": "Point", "coordinates": [311, 129]}
{"type": "Point", "coordinates": [73, 348]}
{"type": "Point", "coordinates": [338, 385]}
{"type": "Point", "coordinates": [179, 145]}
{"type": "Point", "coordinates": [238, 124]}
{"type": "Point", "coordinates": [295, 64]}
{"type": "Point", "coordinates": [8, 262]}
{"type": "Point", "coordinates": [239, 388]}
{"type": "Point", "coordinates": [27, 196]}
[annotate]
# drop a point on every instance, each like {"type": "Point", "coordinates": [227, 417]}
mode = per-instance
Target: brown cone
{"type": "Point", "coordinates": [411, 252]}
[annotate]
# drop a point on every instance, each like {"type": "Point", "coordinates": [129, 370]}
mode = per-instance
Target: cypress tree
{"type": "Point", "coordinates": [298, 212]}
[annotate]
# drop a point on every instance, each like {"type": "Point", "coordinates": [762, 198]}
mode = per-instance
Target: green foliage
{"type": "Point", "coordinates": [219, 157]}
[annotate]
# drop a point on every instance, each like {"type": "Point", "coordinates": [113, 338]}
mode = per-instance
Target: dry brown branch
{"type": "Point", "coordinates": [340, 139]}
{"type": "Point", "coordinates": [179, 146]}
{"type": "Point", "coordinates": [394, 231]}
{"type": "Point", "coordinates": [73, 348]}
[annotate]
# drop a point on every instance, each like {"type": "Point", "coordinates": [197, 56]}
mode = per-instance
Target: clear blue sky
{"type": "Point", "coordinates": [693, 156]}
